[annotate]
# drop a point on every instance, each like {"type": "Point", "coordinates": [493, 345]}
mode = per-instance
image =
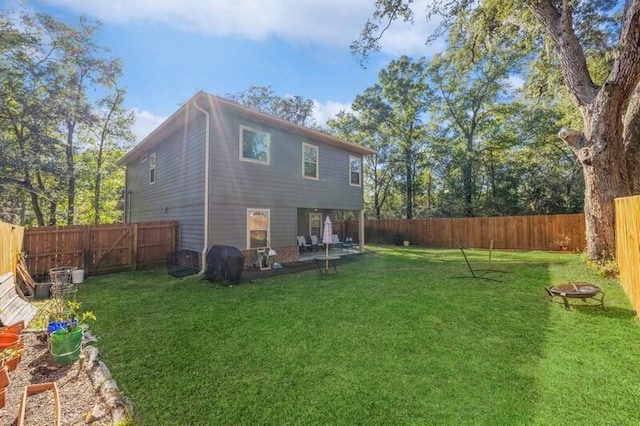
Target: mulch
{"type": "Point", "coordinates": [77, 395]}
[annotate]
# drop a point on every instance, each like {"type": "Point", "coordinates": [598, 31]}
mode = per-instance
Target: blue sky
{"type": "Point", "coordinates": [171, 49]}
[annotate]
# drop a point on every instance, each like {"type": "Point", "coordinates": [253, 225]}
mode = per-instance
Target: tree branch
{"type": "Point", "coordinates": [558, 27]}
{"type": "Point", "coordinates": [624, 76]}
{"type": "Point", "coordinates": [573, 138]}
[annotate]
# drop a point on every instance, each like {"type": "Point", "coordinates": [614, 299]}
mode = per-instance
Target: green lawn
{"type": "Point", "coordinates": [396, 338]}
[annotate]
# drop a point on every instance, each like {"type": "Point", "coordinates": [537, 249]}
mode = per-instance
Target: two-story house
{"type": "Point", "coordinates": [235, 176]}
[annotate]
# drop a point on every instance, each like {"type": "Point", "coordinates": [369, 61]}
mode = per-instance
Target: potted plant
{"type": "Point", "coordinates": [66, 341]}
{"type": "Point", "coordinates": [4, 382]}
{"type": "Point", "coordinates": [15, 328]}
{"type": "Point", "coordinates": [11, 356]}
{"type": "Point", "coordinates": [563, 242]}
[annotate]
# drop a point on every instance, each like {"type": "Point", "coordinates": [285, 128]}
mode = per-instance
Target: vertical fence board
{"type": "Point", "coordinates": [10, 245]}
{"type": "Point", "coordinates": [628, 247]}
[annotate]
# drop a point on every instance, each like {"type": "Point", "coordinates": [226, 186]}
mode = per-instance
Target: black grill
{"type": "Point", "coordinates": [224, 264]}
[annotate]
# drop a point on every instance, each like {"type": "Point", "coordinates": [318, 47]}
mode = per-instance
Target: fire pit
{"type": "Point", "coordinates": [576, 290]}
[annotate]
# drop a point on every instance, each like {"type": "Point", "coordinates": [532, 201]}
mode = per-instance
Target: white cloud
{"type": "Point", "coordinates": [516, 81]}
{"type": "Point", "coordinates": [145, 123]}
{"type": "Point", "coordinates": [321, 22]}
{"type": "Point", "coordinates": [322, 112]}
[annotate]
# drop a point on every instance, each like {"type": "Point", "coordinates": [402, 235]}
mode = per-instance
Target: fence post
{"type": "Point", "coordinates": [134, 250]}
{"type": "Point", "coordinates": [87, 253]}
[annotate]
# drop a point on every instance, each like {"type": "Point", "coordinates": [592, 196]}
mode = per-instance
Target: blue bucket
{"type": "Point", "coordinates": [59, 325]}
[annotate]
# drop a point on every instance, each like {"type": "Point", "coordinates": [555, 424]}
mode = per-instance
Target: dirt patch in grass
{"type": "Point", "coordinates": [77, 395]}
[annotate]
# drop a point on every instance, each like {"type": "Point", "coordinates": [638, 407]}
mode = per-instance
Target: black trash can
{"type": "Point", "coordinates": [397, 240]}
{"type": "Point", "coordinates": [224, 263]}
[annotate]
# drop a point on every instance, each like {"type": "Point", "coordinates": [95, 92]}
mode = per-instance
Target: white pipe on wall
{"type": "Point", "coordinates": [206, 187]}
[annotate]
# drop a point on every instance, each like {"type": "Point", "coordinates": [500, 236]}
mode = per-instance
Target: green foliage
{"type": "Point", "coordinates": [396, 338]}
{"type": "Point", "coordinates": [262, 98]}
{"type": "Point", "coordinates": [389, 120]}
{"type": "Point", "coordinates": [490, 147]}
{"type": "Point", "coordinates": [49, 119]}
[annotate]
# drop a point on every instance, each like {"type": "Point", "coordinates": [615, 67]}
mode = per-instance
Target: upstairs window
{"type": "Point", "coordinates": [152, 168]}
{"type": "Point", "coordinates": [310, 161]}
{"type": "Point", "coordinates": [355, 171]}
{"type": "Point", "coordinates": [258, 223]}
{"type": "Point", "coordinates": [254, 145]}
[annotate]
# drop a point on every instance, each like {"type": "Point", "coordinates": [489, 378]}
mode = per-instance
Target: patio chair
{"type": "Point", "coordinates": [302, 244]}
{"type": "Point", "coordinates": [335, 242]}
{"type": "Point", "coordinates": [315, 243]}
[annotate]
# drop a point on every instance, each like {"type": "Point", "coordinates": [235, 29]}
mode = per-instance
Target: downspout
{"type": "Point", "coordinates": [206, 189]}
{"type": "Point", "coordinates": [126, 210]}
{"type": "Point", "coordinates": [361, 231]}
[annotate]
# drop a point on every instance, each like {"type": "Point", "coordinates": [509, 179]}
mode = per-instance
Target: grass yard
{"type": "Point", "coordinates": [396, 338]}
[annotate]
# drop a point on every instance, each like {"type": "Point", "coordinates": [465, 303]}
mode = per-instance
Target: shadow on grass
{"type": "Point", "coordinates": [400, 341]}
{"type": "Point", "coordinates": [611, 312]}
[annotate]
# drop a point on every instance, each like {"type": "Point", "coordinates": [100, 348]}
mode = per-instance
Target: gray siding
{"type": "Point", "coordinates": [235, 185]}
{"type": "Point", "coordinates": [279, 186]}
{"type": "Point", "coordinates": [281, 182]}
{"type": "Point", "coordinates": [178, 193]}
{"type": "Point", "coordinates": [229, 224]}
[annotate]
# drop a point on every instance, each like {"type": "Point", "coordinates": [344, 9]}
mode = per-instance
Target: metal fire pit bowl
{"type": "Point", "coordinates": [577, 290]}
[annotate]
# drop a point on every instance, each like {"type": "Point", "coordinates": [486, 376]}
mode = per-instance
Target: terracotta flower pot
{"type": "Point", "coordinates": [12, 362]}
{"type": "Point", "coordinates": [15, 328]}
{"type": "Point", "coordinates": [4, 377]}
{"type": "Point", "coordinates": [8, 339]}
{"type": "Point", "coordinates": [12, 355]}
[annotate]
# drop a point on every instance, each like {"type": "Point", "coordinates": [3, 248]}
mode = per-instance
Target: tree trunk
{"type": "Point", "coordinates": [53, 213]}
{"type": "Point", "coordinates": [35, 203]}
{"type": "Point", "coordinates": [429, 184]}
{"type": "Point", "coordinates": [467, 179]}
{"type": "Point", "coordinates": [605, 176]}
{"type": "Point", "coordinates": [71, 186]}
{"type": "Point", "coordinates": [601, 190]}
{"type": "Point", "coordinates": [98, 186]}
{"type": "Point", "coordinates": [611, 116]}
{"type": "Point", "coordinates": [409, 193]}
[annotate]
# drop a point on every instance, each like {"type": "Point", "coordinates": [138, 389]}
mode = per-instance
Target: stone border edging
{"type": "Point", "coordinates": [103, 384]}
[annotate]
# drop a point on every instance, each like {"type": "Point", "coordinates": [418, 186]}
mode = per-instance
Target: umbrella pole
{"type": "Point", "coordinates": [326, 258]}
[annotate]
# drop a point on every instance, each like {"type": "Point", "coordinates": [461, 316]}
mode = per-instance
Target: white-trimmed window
{"type": "Point", "coordinates": [254, 145]}
{"type": "Point", "coordinates": [310, 161]}
{"type": "Point", "coordinates": [355, 171]}
{"type": "Point", "coordinates": [152, 168]}
{"type": "Point", "coordinates": [258, 225]}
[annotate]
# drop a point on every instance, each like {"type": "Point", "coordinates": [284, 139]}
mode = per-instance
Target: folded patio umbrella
{"type": "Point", "coordinates": [326, 239]}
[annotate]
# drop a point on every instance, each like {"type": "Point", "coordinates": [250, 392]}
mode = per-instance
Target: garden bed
{"type": "Point", "coordinates": [78, 399]}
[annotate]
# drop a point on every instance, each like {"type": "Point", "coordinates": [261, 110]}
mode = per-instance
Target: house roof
{"type": "Point", "coordinates": [202, 99]}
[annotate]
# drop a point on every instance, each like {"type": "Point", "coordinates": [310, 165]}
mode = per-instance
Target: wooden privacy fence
{"type": "Point", "coordinates": [10, 246]}
{"type": "Point", "coordinates": [507, 232]}
{"type": "Point", "coordinates": [99, 249]}
{"type": "Point", "coordinates": [628, 247]}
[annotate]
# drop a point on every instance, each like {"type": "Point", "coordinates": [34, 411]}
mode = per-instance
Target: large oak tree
{"type": "Point", "coordinates": [608, 144]}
